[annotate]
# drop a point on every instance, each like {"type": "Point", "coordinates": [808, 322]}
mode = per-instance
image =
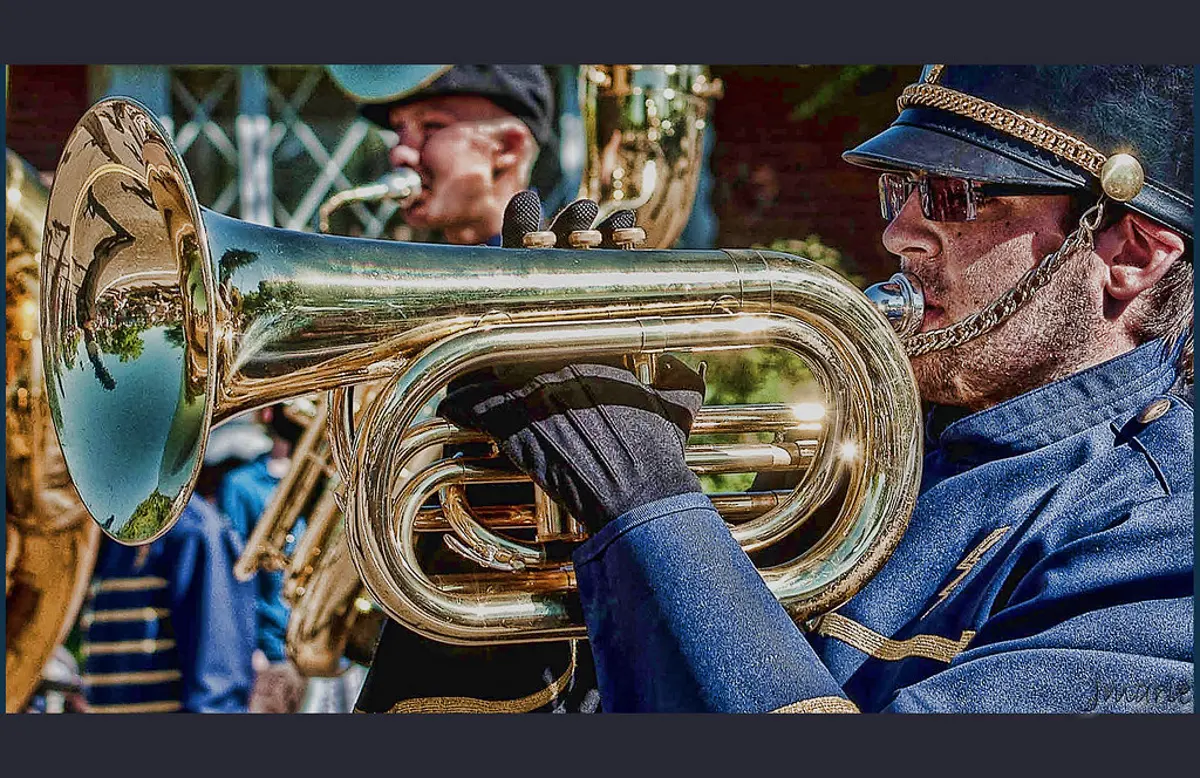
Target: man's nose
{"type": "Point", "coordinates": [404, 156]}
{"type": "Point", "coordinates": [909, 233]}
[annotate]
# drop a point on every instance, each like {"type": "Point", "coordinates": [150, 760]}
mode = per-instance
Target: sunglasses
{"type": "Point", "coordinates": [944, 199]}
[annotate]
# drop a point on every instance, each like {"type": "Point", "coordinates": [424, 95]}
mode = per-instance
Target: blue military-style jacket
{"type": "Point", "coordinates": [244, 495]}
{"type": "Point", "coordinates": [1048, 567]}
{"type": "Point", "coordinates": [167, 627]}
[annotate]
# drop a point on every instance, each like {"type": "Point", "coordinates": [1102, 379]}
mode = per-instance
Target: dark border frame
{"type": "Point", "coordinates": [776, 33]}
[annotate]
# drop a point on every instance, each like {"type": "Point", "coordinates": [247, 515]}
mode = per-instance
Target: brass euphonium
{"type": "Point", "coordinates": [220, 316]}
{"type": "Point", "coordinates": [51, 546]}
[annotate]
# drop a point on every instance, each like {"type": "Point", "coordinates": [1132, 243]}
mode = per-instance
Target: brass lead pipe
{"type": "Point", "coordinates": [401, 186]}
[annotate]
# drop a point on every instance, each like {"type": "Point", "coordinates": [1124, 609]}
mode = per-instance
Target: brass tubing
{"type": "Point", "coordinates": [314, 541]}
{"type": "Point", "coordinates": [265, 546]}
{"type": "Point", "coordinates": [733, 507]}
{"type": "Point", "coordinates": [749, 457]}
{"type": "Point", "coordinates": [381, 543]}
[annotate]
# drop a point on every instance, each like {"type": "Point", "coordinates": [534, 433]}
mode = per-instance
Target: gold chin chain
{"type": "Point", "coordinates": [1011, 301]}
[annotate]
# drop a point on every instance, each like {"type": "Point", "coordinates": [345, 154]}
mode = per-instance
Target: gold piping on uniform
{"type": "Point", "coordinates": [934, 73]}
{"type": "Point", "coordinates": [997, 117]}
{"type": "Point", "coordinates": [476, 705]}
{"type": "Point", "coordinates": [123, 614]}
{"type": "Point", "coordinates": [140, 584]}
{"type": "Point", "coordinates": [870, 642]}
{"type": "Point", "coordinates": [968, 562]}
{"type": "Point", "coordinates": [137, 678]}
{"type": "Point", "coordinates": [147, 646]}
{"type": "Point", "coordinates": [820, 705]}
{"type": "Point", "coordinates": [166, 706]}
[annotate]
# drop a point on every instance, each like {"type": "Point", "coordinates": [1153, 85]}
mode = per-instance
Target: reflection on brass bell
{"type": "Point", "coordinates": [1122, 177]}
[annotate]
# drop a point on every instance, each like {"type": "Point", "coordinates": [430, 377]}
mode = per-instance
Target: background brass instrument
{"type": "Point", "coordinates": [331, 614]}
{"type": "Point", "coordinates": [401, 186]}
{"type": "Point", "coordinates": [644, 137]}
{"type": "Point", "coordinates": [233, 316]}
{"type": "Point", "coordinates": [51, 546]}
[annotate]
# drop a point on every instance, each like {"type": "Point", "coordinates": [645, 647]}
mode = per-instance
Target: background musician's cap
{"type": "Point", "coordinates": [1126, 130]}
{"type": "Point", "coordinates": [522, 90]}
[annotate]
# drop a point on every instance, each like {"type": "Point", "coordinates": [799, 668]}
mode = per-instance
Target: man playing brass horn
{"type": "Point", "coordinates": [1047, 214]}
{"type": "Point", "coordinates": [473, 135]}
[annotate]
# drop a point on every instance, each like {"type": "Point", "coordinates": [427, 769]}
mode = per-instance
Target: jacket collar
{"type": "Point", "coordinates": [1057, 410]}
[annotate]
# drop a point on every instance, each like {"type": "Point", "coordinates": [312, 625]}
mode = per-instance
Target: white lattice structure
{"type": "Point", "coordinates": [264, 144]}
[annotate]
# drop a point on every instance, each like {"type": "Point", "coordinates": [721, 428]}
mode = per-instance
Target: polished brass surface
{"type": "Point", "coordinates": [232, 316]}
{"type": "Point", "coordinates": [871, 439]}
{"type": "Point", "coordinates": [643, 140]}
{"type": "Point", "coordinates": [50, 544]}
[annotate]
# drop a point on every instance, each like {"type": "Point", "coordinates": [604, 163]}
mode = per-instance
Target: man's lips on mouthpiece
{"type": "Point", "coordinates": [933, 316]}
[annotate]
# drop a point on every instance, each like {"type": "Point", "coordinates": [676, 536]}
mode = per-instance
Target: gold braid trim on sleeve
{"type": "Point", "coordinates": [870, 642]}
{"type": "Point", "coordinates": [476, 705]}
{"type": "Point", "coordinates": [820, 705]}
{"type": "Point", "coordinates": [1040, 134]}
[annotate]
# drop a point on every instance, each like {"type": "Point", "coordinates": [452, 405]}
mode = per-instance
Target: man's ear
{"type": "Point", "coordinates": [1138, 252]}
{"type": "Point", "coordinates": [514, 146]}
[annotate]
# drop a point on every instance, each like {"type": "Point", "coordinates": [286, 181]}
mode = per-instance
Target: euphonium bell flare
{"type": "Point", "coordinates": [162, 319]}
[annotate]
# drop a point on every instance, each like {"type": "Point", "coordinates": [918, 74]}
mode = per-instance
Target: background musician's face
{"type": "Point", "coordinates": [471, 155]}
{"type": "Point", "coordinates": [964, 266]}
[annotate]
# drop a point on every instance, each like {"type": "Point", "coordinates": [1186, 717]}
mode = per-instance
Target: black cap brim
{"type": "Point", "coordinates": [911, 148]}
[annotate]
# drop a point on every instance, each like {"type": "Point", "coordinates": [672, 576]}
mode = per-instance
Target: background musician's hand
{"type": "Point", "coordinates": [278, 687]}
{"type": "Point", "coordinates": [523, 217]}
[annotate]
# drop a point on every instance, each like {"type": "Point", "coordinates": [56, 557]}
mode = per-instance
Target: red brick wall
{"type": "Point", "coordinates": [779, 177]}
{"type": "Point", "coordinates": [44, 102]}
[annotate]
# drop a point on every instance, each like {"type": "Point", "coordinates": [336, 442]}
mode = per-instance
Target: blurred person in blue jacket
{"type": "Point", "coordinates": [1048, 565]}
{"type": "Point", "coordinates": [166, 626]}
{"type": "Point", "coordinates": [243, 494]}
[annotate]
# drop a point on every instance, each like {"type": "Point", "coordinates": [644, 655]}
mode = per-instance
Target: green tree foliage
{"type": "Point", "coordinates": [125, 342]}
{"type": "Point", "coordinates": [147, 519]}
{"type": "Point", "coordinates": [765, 375]}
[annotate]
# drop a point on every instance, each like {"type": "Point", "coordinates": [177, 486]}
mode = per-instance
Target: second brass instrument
{"type": "Point", "coordinates": [50, 546]}
{"type": "Point", "coordinates": [232, 316]}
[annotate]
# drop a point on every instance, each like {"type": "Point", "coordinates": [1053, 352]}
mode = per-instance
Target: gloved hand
{"type": "Point", "coordinates": [598, 440]}
{"type": "Point", "coordinates": [592, 435]}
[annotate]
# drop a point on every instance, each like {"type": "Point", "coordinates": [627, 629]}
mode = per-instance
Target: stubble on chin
{"type": "Point", "coordinates": [1041, 344]}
